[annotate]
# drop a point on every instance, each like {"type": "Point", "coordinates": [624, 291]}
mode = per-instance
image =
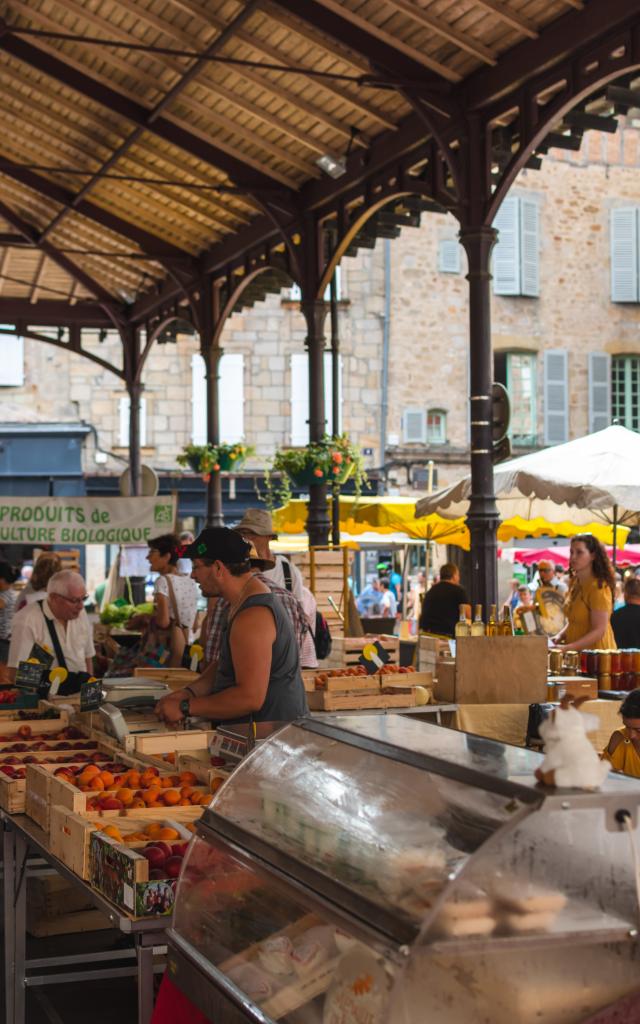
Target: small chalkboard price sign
{"type": "Point", "coordinates": [91, 695]}
{"type": "Point", "coordinates": [32, 678]}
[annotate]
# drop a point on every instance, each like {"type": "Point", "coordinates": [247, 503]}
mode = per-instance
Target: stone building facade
{"type": "Point", "coordinates": [408, 298]}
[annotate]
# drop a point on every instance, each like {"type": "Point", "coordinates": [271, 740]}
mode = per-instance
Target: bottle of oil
{"type": "Point", "coordinates": [493, 625]}
{"type": "Point", "coordinates": [477, 626]}
{"type": "Point", "coordinates": [462, 626]}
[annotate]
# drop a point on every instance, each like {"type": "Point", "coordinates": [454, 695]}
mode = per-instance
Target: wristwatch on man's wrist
{"type": "Point", "coordinates": [184, 707]}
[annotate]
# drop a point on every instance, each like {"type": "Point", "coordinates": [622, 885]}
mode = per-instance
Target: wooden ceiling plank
{"type": "Point", "coordinates": [33, 294]}
{"type": "Point", "coordinates": [368, 32]}
{"type": "Point", "coordinates": [4, 266]}
{"type": "Point", "coordinates": [504, 12]}
{"type": "Point", "coordinates": [96, 289]}
{"type": "Point", "coordinates": [185, 79]}
{"type": "Point", "coordinates": [246, 172]}
{"type": "Point", "coordinates": [460, 39]}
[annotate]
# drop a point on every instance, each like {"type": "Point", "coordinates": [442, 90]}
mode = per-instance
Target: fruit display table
{"type": "Point", "coordinates": [22, 838]}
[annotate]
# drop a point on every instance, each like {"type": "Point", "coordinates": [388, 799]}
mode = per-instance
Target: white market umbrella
{"type": "Point", "coordinates": [592, 479]}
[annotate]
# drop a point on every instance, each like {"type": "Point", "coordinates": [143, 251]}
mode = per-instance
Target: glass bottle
{"type": "Point", "coordinates": [462, 626]}
{"type": "Point", "coordinates": [477, 626]}
{"type": "Point", "coordinates": [492, 624]}
{"type": "Point", "coordinates": [506, 628]}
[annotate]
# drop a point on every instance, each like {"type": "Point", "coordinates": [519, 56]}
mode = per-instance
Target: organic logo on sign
{"type": "Point", "coordinates": [163, 514]}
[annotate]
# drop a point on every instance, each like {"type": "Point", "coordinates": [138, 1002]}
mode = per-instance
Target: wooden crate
{"type": "Point", "coordinates": [39, 725]}
{"type": "Point", "coordinates": [13, 794]}
{"type": "Point", "coordinates": [361, 700]}
{"type": "Point", "coordinates": [346, 650]}
{"type": "Point", "coordinates": [494, 670]}
{"type": "Point", "coordinates": [70, 834]}
{"type": "Point", "coordinates": [325, 572]}
{"type": "Point", "coordinates": [57, 907]}
{"type": "Point", "coordinates": [45, 789]}
{"type": "Point", "coordinates": [69, 924]}
{"type": "Point", "coordinates": [199, 762]}
{"type": "Point", "coordinates": [175, 678]}
{"type": "Point", "coordinates": [173, 742]}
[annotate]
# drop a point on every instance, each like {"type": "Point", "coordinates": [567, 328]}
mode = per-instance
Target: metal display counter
{"type": "Point", "coordinates": [388, 870]}
{"type": "Point", "coordinates": [22, 838]}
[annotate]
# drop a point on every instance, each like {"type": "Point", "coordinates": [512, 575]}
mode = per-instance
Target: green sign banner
{"type": "Point", "coordinates": [85, 520]}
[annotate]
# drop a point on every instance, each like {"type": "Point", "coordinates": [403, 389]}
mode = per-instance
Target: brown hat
{"type": "Point", "coordinates": [258, 521]}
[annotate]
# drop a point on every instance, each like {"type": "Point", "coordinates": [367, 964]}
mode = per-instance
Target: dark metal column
{"type": "Point", "coordinates": [131, 342]}
{"type": "Point", "coordinates": [335, 402]}
{"type": "Point", "coordinates": [482, 518]}
{"type": "Point", "coordinates": [315, 311]}
{"type": "Point", "coordinates": [211, 353]}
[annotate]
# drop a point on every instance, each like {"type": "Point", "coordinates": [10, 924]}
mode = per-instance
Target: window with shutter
{"type": "Point", "coordinates": [521, 385]}
{"type": "Point", "coordinates": [506, 252]}
{"type": "Point", "coordinates": [449, 256]}
{"type": "Point", "coordinates": [436, 426]}
{"type": "Point", "coordinates": [599, 391]}
{"type": "Point", "coordinates": [11, 361]}
{"type": "Point", "coordinates": [529, 248]}
{"type": "Point", "coordinates": [198, 400]}
{"type": "Point", "coordinates": [516, 255]}
{"type": "Point", "coordinates": [231, 396]}
{"type": "Point", "coordinates": [300, 397]}
{"type": "Point", "coordinates": [414, 426]}
{"type": "Point", "coordinates": [625, 391]}
{"type": "Point", "coordinates": [556, 397]}
{"type": "Point", "coordinates": [624, 255]}
{"type": "Point", "coordinates": [124, 405]}
{"type": "Point", "coordinates": [294, 294]}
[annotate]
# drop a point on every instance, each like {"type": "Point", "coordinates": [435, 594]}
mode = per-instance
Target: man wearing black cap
{"type": "Point", "coordinates": [258, 671]}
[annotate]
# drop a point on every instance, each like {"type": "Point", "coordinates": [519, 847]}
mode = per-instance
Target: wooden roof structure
{"type": "Point", "coordinates": [151, 144]}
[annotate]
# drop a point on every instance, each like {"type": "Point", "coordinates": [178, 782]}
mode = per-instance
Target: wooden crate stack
{"type": "Point", "coordinates": [346, 650]}
{"type": "Point", "coordinates": [57, 907]}
{"type": "Point", "coordinates": [325, 572]}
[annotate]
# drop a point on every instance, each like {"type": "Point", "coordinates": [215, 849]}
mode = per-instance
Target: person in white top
{"type": "Point", "coordinates": [63, 611]}
{"type": "Point", "coordinates": [169, 587]}
{"type": "Point", "coordinates": [256, 526]}
{"type": "Point", "coordinates": [388, 603]}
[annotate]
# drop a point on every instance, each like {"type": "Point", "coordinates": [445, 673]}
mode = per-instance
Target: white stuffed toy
{"type": "Point", "coordinates": [570, 761]}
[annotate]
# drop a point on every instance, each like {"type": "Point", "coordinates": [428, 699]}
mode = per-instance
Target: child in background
{"type": "Point", "coordinates": [623, 749]}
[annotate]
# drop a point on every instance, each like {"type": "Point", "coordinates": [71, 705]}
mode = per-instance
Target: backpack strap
{"type": "Point", "coordinates": [53, 633]}
{"type": "Point", "coordinates": [288, 576]}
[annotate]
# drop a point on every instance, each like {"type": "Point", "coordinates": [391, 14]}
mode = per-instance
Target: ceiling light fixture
{"type": "Point", "coordinates": [336, 166]}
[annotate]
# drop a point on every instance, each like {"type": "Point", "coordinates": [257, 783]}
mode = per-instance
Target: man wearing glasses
{"type": "Point", "coordinates": [58, 623]}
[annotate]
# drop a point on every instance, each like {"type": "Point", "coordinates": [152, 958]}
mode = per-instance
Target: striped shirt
{"type": "Point", "coordinates": [218, 619]}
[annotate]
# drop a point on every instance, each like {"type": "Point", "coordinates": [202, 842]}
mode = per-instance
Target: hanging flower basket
{"type": "Point", "coordinates": [330, 461]}
{"type": "Point", "coordinates": [207, 458]}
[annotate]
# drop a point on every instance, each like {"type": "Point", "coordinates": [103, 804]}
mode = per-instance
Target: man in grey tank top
{"type": "Point", "coordinates": [258, 675]}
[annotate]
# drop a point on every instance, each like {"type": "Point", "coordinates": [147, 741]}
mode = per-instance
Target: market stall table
{"type": "Point", "coordinates": [20, 836]}
{"type": "Point", "coordinates": [507, 723]}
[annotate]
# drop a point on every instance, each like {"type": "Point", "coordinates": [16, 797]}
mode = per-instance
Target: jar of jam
{"type": "Point", "coordinates": [604, 663]}
{"type": "Point", "coordinates": [604, 682]}
{"type": "Point", "coordinates": [627, 660]}
{"type": "Point", "coordinates": [636, 660]}
{"type": "Point", "coordinates": [630, 680]}
{"type": "Point", "coordinates": [555, 663]}
{"type": "Point", "coordinates": [584, 663]}
{"type": "Point", "coordinates": [592, 663]}
{"type": "Point", "coordinates": [571, 660]}
{"type": "Point", "coordinates": [616, 662]}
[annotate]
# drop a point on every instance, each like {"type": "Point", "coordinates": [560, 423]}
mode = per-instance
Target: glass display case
{"type": "Point", "coordinates": [381, 869]}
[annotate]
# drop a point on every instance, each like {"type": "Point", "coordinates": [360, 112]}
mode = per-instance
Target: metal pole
{"type": "Point", "coordinates": [211, 353]}
{"type": "Point", "coordinates": [483, 517]}
{"type": "Point", "coordinates": [386, 328]}
{"type": "Point", "coordinates": [131, 342]}
{"type": "Point", "coordinates": [314, 312]}
{"type": "Point", "coordinates": [615, 536]}
{"type": "Point", "coordinates": [335, 402]}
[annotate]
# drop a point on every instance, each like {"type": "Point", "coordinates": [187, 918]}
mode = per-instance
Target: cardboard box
{"type": "Point", "coordinates": [494, 670]}
{"type": "Point", "coordinates": [122, 875]}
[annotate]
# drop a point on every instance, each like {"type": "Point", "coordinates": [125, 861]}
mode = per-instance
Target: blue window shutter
{"type": "Point", "coordinates": [599, 391]}
{"type": "Point", "coordinates": [506, 253]}
{"type": "Point", "coordinates": [449, 256]}
{"type": "Point", "coordinates": [529, 248]}
{"type": "Point", "coordinates": [624, 254]}
{"type": "Point", "coordinates": [556, 396]}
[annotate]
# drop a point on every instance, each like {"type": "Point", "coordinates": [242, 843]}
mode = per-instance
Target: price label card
{"type": "Point", "coordinates": [42, 655]}
{"type": "Point", "coordinates": [32, 678]}
{"type": "Point", "coordinates": [91, 695]}
{"type": "Point", "coordinates": [373, 657]}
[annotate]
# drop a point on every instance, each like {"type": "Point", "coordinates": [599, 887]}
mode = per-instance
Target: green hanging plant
{"type": "Point", "coordinates": [208, 458]}
{"type": "Point", "coordinates": [332, 461]}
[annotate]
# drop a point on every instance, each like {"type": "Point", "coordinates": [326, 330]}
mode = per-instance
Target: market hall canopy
{"type": "Point", "coordinates": [162, 161]}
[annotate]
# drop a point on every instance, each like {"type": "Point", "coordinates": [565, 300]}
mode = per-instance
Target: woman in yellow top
{"type": "Point", "coordinates": [623, 749]}
{"type": "Point", "coordinates": [590, 599]}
